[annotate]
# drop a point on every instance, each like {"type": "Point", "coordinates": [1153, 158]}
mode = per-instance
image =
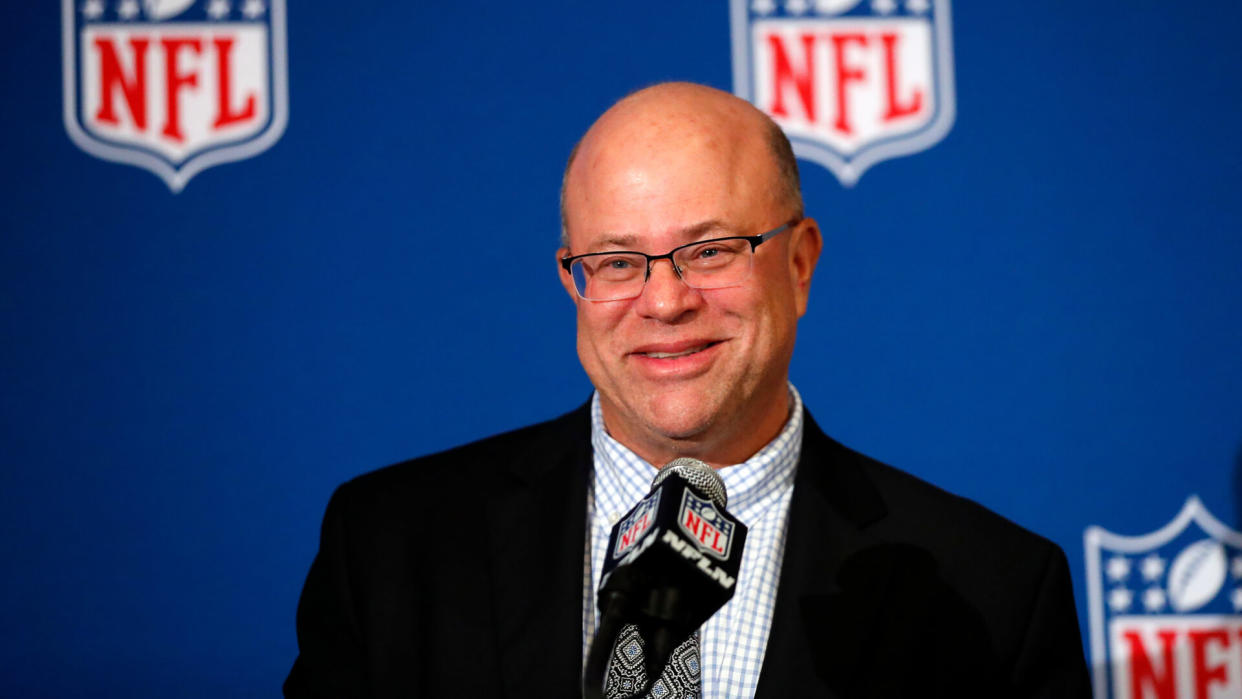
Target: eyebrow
{"type": "Point", "coordinates": [688, 235]}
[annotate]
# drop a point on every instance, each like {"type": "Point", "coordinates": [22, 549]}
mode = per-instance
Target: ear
{"type": "Point", "coordinates": [566, 280]}
{"type": "Point", "coordinates": [804, 251]}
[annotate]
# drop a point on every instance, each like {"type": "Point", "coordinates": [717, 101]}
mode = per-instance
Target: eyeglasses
{"type": "Point", "coordinates": [706, 264]}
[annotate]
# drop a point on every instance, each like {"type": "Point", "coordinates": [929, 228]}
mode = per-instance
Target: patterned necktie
{"type": "Point", "coordinates": [627, 673]}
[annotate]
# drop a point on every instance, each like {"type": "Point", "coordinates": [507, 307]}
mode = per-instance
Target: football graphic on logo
{"type": "Point", "coordinates": [1196, 575]}
{"type": "Point", "coordinates": [163, 9]}
{"type": "Point", "coordinates": [835, 7]}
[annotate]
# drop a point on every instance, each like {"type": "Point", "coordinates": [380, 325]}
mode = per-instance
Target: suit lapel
{"type": "Point", "coordinates": [538, 529]}
{"type": "Point", "coordinates": [832, 592]}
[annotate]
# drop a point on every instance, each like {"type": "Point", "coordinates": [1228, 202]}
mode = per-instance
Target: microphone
{"type": "Point", "coordinates": [672, 561]}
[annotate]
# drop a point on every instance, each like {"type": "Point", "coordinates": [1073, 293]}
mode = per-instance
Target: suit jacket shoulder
{"type": "Point", "coordinates": [522, 453]}
{"type": "Point", "coordinates": [893, 587]}
{"type": "Point", "coordinates": [447, 575]}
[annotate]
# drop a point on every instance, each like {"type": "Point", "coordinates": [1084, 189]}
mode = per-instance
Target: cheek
{"type": "Point", "coordinates": [769, 322]}
{"type": "Point", "coordinates": [598, 325]}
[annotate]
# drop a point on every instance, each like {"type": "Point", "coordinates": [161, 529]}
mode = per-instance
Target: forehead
{"type": "Point", "coordinates": [590, 241]}
{"type": "Point", "coordinates": [668, 180]}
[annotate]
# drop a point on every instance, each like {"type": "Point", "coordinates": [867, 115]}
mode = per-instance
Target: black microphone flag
{"type": "Point", "coordinates": [672, 561]}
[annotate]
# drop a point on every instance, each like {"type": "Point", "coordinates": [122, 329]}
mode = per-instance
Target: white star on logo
{"type": "Point", "coordinates": [218, 9]}
{"type": "Point", "coordinates": [128, 9]}
{"type": "Point", "coordinates": [1236, 567]}
{"type": "Point", "coordinates": [253, 9]}
{"type": "Point", "coordinates": [796, 7]}
{"type": "Point", "coordinates": [1153, 568]}
{"type": "Point", "coordinates": [918, 6]}
{"type": "Point", "coordinates": [763, 7]}
{"type": "Point", "coordinates": [884, 7]}
{"type": "Point", "coordinates": [1118, 568]}
{"type": "Point", "coordinates": [1153, 599]}
{"type": "Point", "coordinates": [92, 9]}
{"type": "Point", "coordinates": [1119, 599]}
{"type": "Point", "coordinates": [1236, 598]}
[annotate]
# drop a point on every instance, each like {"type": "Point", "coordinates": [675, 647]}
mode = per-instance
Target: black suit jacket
{"type": "Point", "coordinates": [461, 575]}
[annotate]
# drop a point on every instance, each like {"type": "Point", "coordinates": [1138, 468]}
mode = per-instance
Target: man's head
{"type": "Point", "coordinates": [682, 371]}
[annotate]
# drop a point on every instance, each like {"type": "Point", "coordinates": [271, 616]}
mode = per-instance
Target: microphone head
{"type": "Point", "coordinates": [699, 475]}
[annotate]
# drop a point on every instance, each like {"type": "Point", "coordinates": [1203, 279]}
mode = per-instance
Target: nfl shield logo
{"type": "Point", "coordinates": [631, 529]}
{"type": "Point", "coordinates": [1166, 609]}
{"type": "Point", "coordinates": [710, 531]}
{"type": "Point", "coordinates": [851, 82]}
{"type": "Point", "coordinates": [174, 86]}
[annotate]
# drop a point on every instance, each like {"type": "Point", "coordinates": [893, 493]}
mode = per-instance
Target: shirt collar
{"type": "Point", "coordinates": [622, 478]}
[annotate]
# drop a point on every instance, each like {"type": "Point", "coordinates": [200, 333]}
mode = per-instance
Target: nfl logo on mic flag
{"type": "Point", "coordinates": [710, 531]}
{"type": "Point", "coordinates": [639, 521]}
{"type": "Point", "coordinates": [1166, 609]}
{"type": "Point", "coordinates": [851, 82]}
{"type": "Point", "coordinates": [174, 86]}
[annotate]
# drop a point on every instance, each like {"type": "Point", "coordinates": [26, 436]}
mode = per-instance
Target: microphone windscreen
{"type": "Point", "coordinates": [699, 475]}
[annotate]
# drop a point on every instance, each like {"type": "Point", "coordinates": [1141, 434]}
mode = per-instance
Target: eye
{"type": "Point", "coordinates": [615, 268]}
{"type": "Point", "coordinates": [710, 256]}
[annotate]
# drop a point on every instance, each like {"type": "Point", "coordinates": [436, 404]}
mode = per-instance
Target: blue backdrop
{"type": "Point", "coordinates": [1041, 312]}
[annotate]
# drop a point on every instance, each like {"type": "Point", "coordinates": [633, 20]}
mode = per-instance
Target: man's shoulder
{"type": "Point", "coordinates": [909, 508]}
{"type": "Point", "coordinates": [477, 467]}
{"type": "Point", "coordinates": [998, 594]}
{"type": "Point", "coordinates": [912, 500]}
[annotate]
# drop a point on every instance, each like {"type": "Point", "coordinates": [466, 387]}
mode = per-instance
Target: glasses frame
{"type": "Point", "coordinates": [754, 240]}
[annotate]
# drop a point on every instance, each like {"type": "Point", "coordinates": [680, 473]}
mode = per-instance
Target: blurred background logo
{"type": "Point", "coordinates": [1166, 609]}
{"type": "Point", "coordinates": [852, 83]}
{"type": "Point", "coordinates": [174, 86]}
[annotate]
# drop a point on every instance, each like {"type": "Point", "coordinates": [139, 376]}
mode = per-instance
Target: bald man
{"type": "Point", "coordinates": [689, 259]}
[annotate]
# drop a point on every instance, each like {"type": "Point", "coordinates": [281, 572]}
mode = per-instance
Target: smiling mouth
{"type": "Point", "coordinates": [674, 355]}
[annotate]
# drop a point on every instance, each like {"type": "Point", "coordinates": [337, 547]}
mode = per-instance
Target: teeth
{"type": "Point", "coordinates": [671, 355]}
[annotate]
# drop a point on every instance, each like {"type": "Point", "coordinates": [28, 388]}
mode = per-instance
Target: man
{"type": "Point", "coordinates": [472, 572]}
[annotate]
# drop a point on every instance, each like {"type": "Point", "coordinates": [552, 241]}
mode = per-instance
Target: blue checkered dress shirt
{"type": "Point", "coordinates": [759, 490]}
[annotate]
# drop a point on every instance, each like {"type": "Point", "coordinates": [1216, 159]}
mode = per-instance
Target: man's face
{"type": "Point", "coordinates": [698, 369]}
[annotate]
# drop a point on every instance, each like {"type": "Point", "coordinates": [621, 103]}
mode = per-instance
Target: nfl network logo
{"type": "Point", "coordinates": [851, 82]}
{"type": "Point", "coordinates": [174, 86]}
{"type": "Point", "coordinates": [1166, 609]}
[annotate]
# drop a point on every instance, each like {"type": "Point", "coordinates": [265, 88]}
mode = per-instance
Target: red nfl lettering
{"type": "Point", "coordinates": [1170, 660]}
{"type": "Point", "coordinates": [1142, 673]}
{"type": "Point", "coordinates": [844, 85]}
{"type": "Point", "coordinates": [226, 115]}
{"type": "Point", "coordinates": [1206, 675]}
{"type": "Point", "coordinates": [180, 67]}
{"type": "Point", "coordinates": [132, 87]}
{"type": "Point", "coordinates": [805, 87]}
{"type": "Point", "coordinates": [112, 78]}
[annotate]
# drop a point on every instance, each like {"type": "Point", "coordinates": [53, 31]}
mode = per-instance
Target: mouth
{"type": "Point", "coordinates": [676, 351]}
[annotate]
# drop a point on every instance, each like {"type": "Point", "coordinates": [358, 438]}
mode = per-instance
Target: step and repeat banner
{"type": "Point", "coordinates": [252, 248]}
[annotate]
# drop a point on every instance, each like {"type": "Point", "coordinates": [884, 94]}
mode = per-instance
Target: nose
{"type": "Point", "coordinates": [666, 297]}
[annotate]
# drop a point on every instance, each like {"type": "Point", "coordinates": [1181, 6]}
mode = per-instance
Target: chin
{"type": "Point", "coordinates": [680, 418]}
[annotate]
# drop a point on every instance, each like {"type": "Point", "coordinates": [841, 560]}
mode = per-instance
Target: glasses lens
{"type": "Point", "coordinates": [610, 276]}
{"type": "Point", "coordinates": [713, 264]}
